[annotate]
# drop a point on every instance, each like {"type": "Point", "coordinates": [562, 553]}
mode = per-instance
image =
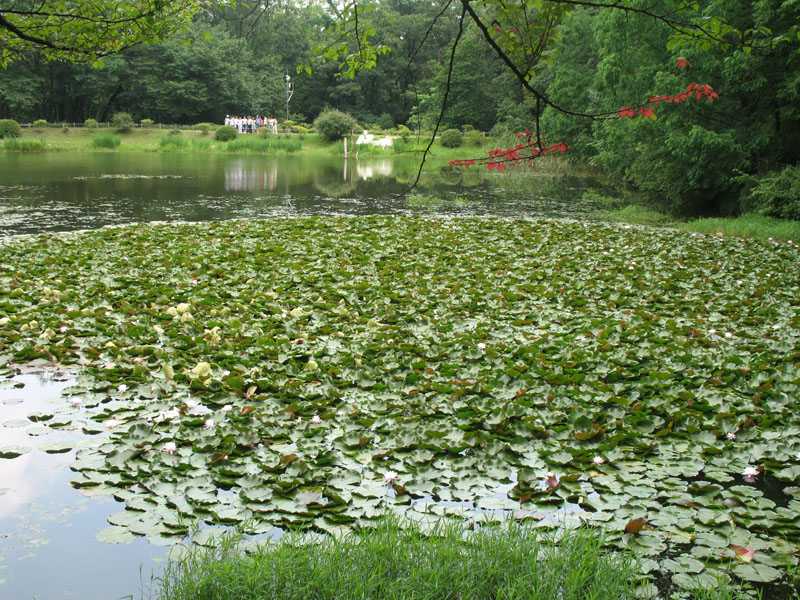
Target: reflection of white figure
{"type": "Point", "coordinates": [373, 168]}
{"type": "Point", "coordinates": [385, 142]}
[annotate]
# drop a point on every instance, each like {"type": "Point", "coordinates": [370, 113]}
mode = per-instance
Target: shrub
{"type": "Point", "coordinates": [40, 123]}
{"type": "Point", "coordinates": [173, 142]}
{"type": "Point", "coordinates": [106, 140]}
{"type": "Point", "coordinates": [203, 128]}
{"type": "Point", "coordinates": [225, 133]}
{"type": "Point", "coordinates": [472, 137]}
{"type": "Point", "coordinates": [174, 132]}
{"type": "Point", "coordinates": [90, 123]}
{"type": "Point", "coordinates": [774, 194]}
{"type": "Point", "coordinates": [333, 124]}
{"type": "Point", "coordinates": [300, 129]}
{"type": "Point", "coordinates": [451, 138]}
{"type": "Point", "coordinates": [13, 144]}
{"type": "Point", "coordinates": [9, 128]}
{"type": "Point", "coordinates": [146, 122]}
{"type": "Point", "coordinates": [123, 122]}
{"type": "Point", "coordinates": [404, 132]}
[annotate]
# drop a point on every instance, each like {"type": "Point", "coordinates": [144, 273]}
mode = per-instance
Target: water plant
{"type": "Point", "coordinates": [106, 141]}
{"type": "Point", "coordinates": [317, 372]}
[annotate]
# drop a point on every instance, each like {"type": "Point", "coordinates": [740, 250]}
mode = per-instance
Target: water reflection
{"type": "Point", "coordinates": [46, 526]}
{"type": "Point", "coordinates": [69, 191]}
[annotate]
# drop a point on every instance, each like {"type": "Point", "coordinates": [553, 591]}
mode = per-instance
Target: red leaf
{"type": "Point", "coordinates": [683, 63]}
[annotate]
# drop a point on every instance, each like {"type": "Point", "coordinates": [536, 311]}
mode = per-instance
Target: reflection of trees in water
{"type": "Point", "coordinates": [240, 176]}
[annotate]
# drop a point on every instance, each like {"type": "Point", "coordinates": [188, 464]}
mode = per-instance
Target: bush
{"type": "Point", "coordinates": [385, 121]}
{"type": "Point", "coordinates": [146, 122]}
{"type": "Point", "coordinates": [106, 140]}
{"type": "Point", "coordinates": [404, 132]}
{"type": "Point", "coordinates": [90, 123]}
{"type": "Point", "coordinates": [472, 137]}
{"type": "Point", "coordinates": [451, 138]}
{"type": "Point", "coordinates": [333, 124]}
{"type": "Point", "coordinates": [203, 128]}
{"type": "Point", "coordinates": [9, 128]}
{"type": "Point", "coordinates": [225, 133]}
{"type": "Point", "coordinates": [302, 130]}
{"type": "Point", "coordinates": [775, 194]}
{"type": "Point", "coordinates": [123, 122]}
{"type": "Point", "coordinates": [40, 123]}
{"type": "Point", "coordinates": [13, 144]}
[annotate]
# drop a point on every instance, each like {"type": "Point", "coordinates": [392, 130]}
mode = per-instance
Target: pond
{"type": "Point", "coordinates": [47, 525]}
{"type": "Point", "coordinates": [72, 191]}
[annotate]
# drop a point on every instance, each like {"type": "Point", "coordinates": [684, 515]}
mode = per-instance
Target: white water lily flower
{"type": "Point", "coordinates": [750, 473]}
{"type": "Point", "coordinates": [111, 423]}
{"type": "Point", "coordinates": [299, 420]}
{"type": "Point", "coordinates": [598, 460]}
{"type": "Point", "coordinates": [731, 437]}
{"type": "Point", "coordinates": [209, 424]}
{"type": "Point", "coordinates": [728, 334]}
{"type": "Point", "coordinates": [389, 476]}
{"type": "Point", "coordinates": [169, 448]}
{"type": "Point", "coordinates": [190, 403]}
{"type": "Point", "coordinates": [122, 388]}
{"type": "Point", "coordinates": [75, 402]}
{"type": "Point", "coordinates": [227, 408]}
{"type": "Point", "coordinates": [481, 346]}
{"type": "Point", "coordinates": [316, 419]}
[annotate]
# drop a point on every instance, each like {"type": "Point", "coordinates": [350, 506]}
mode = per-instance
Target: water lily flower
{"type": "Point", "coordinates": [551, 480]}
{"type": "Point", "coordinates": [712, 331]}
{"type": "Point", "coordinates": [227, 408]}
{"type": "Point", "coordinates": [481, 346]}
{"type": "Point", "coordinates": [598, 460]}
{"type": "Point", "coordinates": [750, 473]}
{"type": "Point", "coordinates": [111, 423]}
{"type": "Point", "coordinates": [731, 437]}
{"type": "Point", "coordinates": [169, 448]}
{"type": "Point", "coordinates": [728, 334]}
{"type": "Point", "coordinates": [190, 403]}
{"type": "Point", "coordinates": [316, 419]}
{"type": "Point", "coordinates": [63, 329]}
{"type": "Point", "coordinates": [299, 420]}
{"type": "Point", "coordinates": [389, 476]}
{"type": "Point", "coordinates": [122, 388]}
{"type": "Point", "coordinates": [75, 402]}
{"type": "Point", "coordinates": [209, 424]}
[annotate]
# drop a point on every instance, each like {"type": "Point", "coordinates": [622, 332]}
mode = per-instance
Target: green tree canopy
{"type": "Point", "coordinates": [86, 30]}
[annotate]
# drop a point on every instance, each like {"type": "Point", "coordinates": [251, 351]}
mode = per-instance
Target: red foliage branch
{"type": "Point", "coordinates": [533, 147]}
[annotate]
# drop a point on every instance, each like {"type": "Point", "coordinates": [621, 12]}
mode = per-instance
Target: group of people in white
{"type": "Point", "coordinates": [252, 124]}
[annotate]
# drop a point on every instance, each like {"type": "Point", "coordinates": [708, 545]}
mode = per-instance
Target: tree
{"type": "Point", "coordinates": [87, 30]}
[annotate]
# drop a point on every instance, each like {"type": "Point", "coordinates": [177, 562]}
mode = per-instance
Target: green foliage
{"type": "Point", "coordinates": [264, 144]}
{"type": "Point", "coordinates": [13, 144]}
{"type": "Point", "coordinates": [404, 560]}
{"type": "Point", "coordinates": [204, 128]}
{"type": "Point", "coordinates": [122, 121]}
{"type": "Point", "coordinates": [774, 194]}
{"type": "Point", "coordinates": [106, 141]}
{"type": "Point", "coordinates": [173, 142]}
{"type": "Point", "coordinates": [9, 128]}
{"type": "Point", "coordinates": [90, 123]}
{"type": "Point", "coordinates": [301, 129]}
{"type": "Point", "coordinates": [334, 124]}
{"type": "Point", "coordinates": [747, 225]}
{"type": "Point", "coordinates": [385, 121]}
{"type": "Point", "coordinates": [473, 138]}
{"type": "Point", "coordinates": [80, 31]}
{"type": "Point", "coordinates": [146, 123]}
{"type": "Point", "coordinates": [225, 133]}
{"type": "Point", "coordinates": [451, 138]}
{"type": "Point", "coordinates": [404, 132]}
{"type": "Point", "coordinates": [40, 123]}
{"type": "Point", "coordinates": [173, 132]}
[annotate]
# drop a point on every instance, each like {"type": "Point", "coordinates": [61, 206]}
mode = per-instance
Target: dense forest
{"type": "Point", "coordinates": [732, 155]}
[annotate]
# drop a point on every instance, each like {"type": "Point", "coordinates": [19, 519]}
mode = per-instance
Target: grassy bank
{"type": "Point", "coordinates": [388, 562]}
{"type": "Point", "coordinates": [156, 139]}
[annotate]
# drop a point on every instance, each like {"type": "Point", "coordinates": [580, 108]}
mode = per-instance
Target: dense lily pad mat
{"type": "Point", "coordinates": [317, 372]}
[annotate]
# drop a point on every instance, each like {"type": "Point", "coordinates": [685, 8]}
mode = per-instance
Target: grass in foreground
{"type": "Point", "coordinates": [396, 563]}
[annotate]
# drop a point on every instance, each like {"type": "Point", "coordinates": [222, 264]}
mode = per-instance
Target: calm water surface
{"type": "Point", "coordinates": [47, 528]}
{"type": "Point", "coordinates": [68, 191]}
